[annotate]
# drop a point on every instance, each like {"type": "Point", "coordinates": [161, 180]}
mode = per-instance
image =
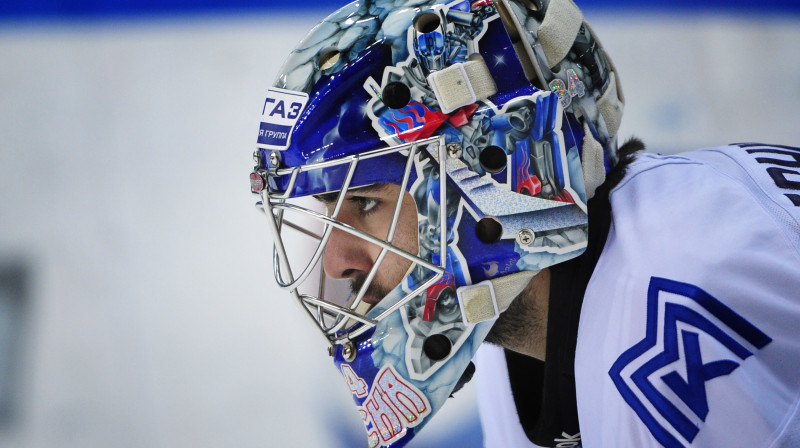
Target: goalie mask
{"type": "Point", "coordinates": [417, 165]}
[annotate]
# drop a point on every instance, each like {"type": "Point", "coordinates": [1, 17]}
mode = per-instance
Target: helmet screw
{"type": "Point", "coordinates": [257, 157]}
{"type": "Point", "coordinates": [349, 352]}
{"type": "Point", "coordinates": [274, 159]}
{"type": "Point", "coordinates": [331, 350]}
{"type": "Point", "coordinates": [453, 150]}
{"type": "Point", "coordinates": [525, 237]}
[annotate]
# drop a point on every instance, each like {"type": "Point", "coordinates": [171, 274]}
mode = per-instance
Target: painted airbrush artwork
{"type": "Point", "coordinates": [357, 91]}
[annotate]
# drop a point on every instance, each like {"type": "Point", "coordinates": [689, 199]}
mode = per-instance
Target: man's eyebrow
{"type": "Point", "coordinates": [329, 198]}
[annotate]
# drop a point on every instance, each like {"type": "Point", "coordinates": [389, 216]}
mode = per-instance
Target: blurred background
{"type": "Point", "coordinates": [137, 306]}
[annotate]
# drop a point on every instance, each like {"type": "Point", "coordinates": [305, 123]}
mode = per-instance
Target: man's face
{"type": "Point", "coordinates": [370, 210]}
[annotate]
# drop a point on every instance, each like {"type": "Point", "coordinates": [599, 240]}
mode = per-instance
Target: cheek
{"type": "Point", "coordinates": [408, 226]}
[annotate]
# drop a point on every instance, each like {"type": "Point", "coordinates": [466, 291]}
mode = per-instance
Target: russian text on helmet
{"type": "Point", "coordinates": [279, 115]}
{"type": "Point", "coordinates": [391, 406]}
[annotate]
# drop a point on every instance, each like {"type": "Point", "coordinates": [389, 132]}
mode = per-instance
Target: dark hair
{"type": "Point", "coordinates": [627, 153]}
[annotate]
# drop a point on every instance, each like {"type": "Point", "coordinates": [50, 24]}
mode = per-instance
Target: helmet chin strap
{"type": "Point", "coordinates": [486, 300]}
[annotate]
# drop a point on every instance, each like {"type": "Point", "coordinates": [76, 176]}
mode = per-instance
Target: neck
{"type": "Point", "coordinates": [522, 328]}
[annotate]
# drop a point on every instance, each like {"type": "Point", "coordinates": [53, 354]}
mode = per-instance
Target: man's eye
{"type": "Point", "coordinates": [365, 205]}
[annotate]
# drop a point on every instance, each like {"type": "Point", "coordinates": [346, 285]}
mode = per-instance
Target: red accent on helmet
{"type": "Point", "coordinates": [448, 280]}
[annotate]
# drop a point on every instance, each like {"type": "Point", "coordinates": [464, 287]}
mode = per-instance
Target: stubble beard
{"type": "Point", "coordinates": [522, 321]}
{"type": "Point", "coordinates": [375, 291]}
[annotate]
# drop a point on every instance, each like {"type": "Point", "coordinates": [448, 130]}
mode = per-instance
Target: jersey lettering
{"type": "Point", "coordinates": [649, 375]}
{"type": "Point", "coordinates": [785, 171]}
{"type": "Point", "coordinates": [567, 440]}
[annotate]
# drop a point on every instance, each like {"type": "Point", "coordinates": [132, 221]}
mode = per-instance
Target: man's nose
{"type": "Point", "coordinates": [346, 255]}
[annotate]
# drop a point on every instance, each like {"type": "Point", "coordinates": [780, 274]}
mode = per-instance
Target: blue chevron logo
{"type": "Point", "coordinates": [679, 345]}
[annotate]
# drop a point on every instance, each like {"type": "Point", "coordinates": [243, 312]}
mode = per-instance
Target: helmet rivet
{"type": "Point", "coordinates": [274, 159]}
{"type": "Point", "coordinates": [331, 350]}
{"type": "Point", "coordinates": [257, 157]}
{"type": "Point", "coordinates": [453, 150]}
{"type": "Point", "coordinates": [525, 237]}
{"type": "Point", "coordinates": [349, 352]}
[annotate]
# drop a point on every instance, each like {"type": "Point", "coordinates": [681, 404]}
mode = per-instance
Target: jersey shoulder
{"type": "Point", "coordinates": [768, 175]}
{"type": "Point", "coordinates": [688, 331]}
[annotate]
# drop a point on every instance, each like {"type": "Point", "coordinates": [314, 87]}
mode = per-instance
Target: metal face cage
{"type": "Point", "coordinates": [341, 320]}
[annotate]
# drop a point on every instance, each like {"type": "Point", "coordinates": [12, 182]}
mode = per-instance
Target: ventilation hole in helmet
{"type": "Point", "coordinates": [437, 347]}
{"type": "Point", "coordinates": [427, 22]}
{"type": "Point", "coordinates": [396, 95]}
{"type": "Point", "coordinates": [489, 230]}
{"type": "Point", "coordinates": [493, 159]}
{"type": "Point", "coordinates": [329, 58]}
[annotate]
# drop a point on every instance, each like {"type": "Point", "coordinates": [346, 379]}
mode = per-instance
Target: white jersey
{"type": "Point", "coordinates": [690, 327]}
